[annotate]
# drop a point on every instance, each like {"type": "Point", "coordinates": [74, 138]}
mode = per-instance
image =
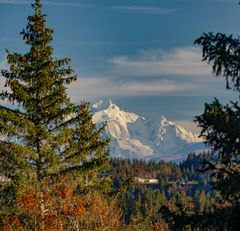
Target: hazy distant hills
{"type": "Point", "coordinates": [134, 136]}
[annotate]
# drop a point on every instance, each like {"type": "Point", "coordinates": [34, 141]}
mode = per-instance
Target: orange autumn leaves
{"type": "Point", "coordinates": [59, 207]}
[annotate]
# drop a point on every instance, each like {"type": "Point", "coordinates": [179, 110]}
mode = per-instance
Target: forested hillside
{"type": "Point", "coordinates": [56, 171]}
{"type": "Point", "coordinates": [174, 184]}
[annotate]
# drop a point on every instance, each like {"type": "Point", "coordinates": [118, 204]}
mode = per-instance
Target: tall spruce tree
{"type": "Point", "coordinates": [45, 135]}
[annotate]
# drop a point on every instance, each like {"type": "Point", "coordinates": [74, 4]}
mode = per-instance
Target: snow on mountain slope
{"type": "Point", "coordinates": [133, 136]}
{"type": "Point", "coordinates": [113, 113]}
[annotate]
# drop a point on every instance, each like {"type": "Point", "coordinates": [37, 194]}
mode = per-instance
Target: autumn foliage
{"type": "Point", "coordinates": [60, 207]}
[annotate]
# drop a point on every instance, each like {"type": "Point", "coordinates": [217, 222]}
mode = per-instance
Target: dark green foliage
{"type": "Point", "coordinates": [221, 128]}
{"type": "Point", "coordinates": [216, 219]}
{"type": "Point", "coordinates": [141, 203]}
{"type": "Point", "coordinates": [221, 124]}
{"type": "Point", "coordinates": [191, 166]}
{"type": "Point", "coordinates": [46, 136]}
{"type": "Point", "coordinates": [148, 204]}
{"type": "Point", "coordinates": [224, 52]}
{"type": "Point", "coordinates": [146, 169]}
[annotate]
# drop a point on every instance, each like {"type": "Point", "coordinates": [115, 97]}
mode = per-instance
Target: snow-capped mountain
{"type": "Point", "coordinates": [133, 136]}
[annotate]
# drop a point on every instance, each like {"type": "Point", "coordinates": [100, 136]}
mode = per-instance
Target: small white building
{"type": "Point", "coordinates": [146, 181]}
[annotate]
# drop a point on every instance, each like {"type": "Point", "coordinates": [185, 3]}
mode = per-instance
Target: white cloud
{"type": "Point", "coordinates": [153, 72]}
{"type": "Point", "coordinates": [225, 1]}
{"type": "Point", "coordinates": [55, 3]}
{"type": "Point", "coordinates": [88, 88]}
{"type": "Point", "coordinates": [67, 3]}
{"type": "Point", "coordinates": [142, 9]}
{"type": "Point", "coordinates": [91, 88]}
{"type": "Point", "coordinates": [15, 2]}
{"type": "Point", "coordinates": [163, 86]}
{"type": "Point", "coordinates": [129, 76]}
{"type": "Point", "coordinates": [181, 61]}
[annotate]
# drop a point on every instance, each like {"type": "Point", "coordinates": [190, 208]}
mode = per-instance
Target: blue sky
{"type": "Point", "coordinates": [139, 53]}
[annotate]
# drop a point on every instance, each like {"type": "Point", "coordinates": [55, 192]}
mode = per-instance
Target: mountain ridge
{"type": "Point", "coordinates": [133, 136]}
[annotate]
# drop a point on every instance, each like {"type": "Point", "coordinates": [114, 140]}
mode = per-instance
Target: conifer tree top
{"type": "Point", "coordinates": [47, 135]}
{"type": "Point", "coordinates": [37, 6]}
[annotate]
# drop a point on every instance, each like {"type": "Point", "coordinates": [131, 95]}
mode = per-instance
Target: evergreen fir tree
{"type": "Point", "coordinates": [45, 135]}
{"type": "Point", "coordinates": [221, 126]}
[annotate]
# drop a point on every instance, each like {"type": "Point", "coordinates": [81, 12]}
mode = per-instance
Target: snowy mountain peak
{"type": "Point", "coordinates": [134, 136]}
{"type": "Point", "coordinates": [163, 118]}
{"type": "Point", "coordinates": [97, 104]}
{"type": "Point", "coordinates": [165, 122]}
{"type": "Point", "coordinates": [110, 102]}
{"type": "Point", "coordinates": [103, 104]}
{"type": "Point", "coordinates": [108, 111]}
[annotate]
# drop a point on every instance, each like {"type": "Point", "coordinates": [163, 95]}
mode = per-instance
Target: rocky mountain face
{"type": "Point", "coordinates": [133, 136]}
